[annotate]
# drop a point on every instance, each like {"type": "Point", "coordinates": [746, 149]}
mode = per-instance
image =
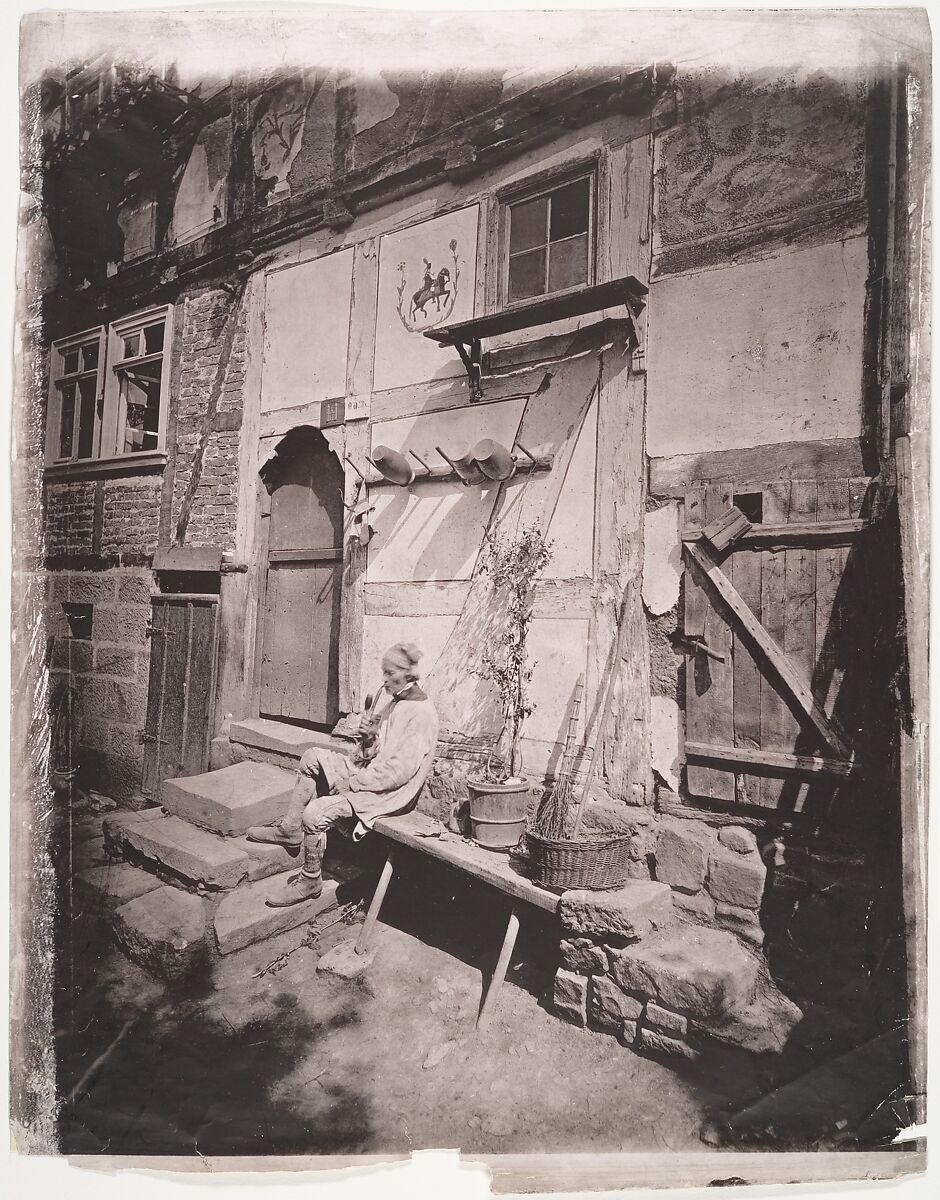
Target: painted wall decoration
{"type": "Point", "coordinates": [202, 195]}
{"type": "Point", "coordinates": [427, 277]}
{"type": "Point", "coordinates": [306, 333]}
{"type": "Point", "coordinates": [766, 148]}
{"type": "Point", "coordinates": [280, 117]}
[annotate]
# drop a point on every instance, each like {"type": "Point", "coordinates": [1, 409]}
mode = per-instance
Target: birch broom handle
{"type": "Point", "coordinates": [567, 757]}
{"type": "Point", "coordinates": [605, 712]}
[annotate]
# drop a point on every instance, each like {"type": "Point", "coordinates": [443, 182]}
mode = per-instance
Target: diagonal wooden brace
{"type": "Point", "coordinates": [798, 689]}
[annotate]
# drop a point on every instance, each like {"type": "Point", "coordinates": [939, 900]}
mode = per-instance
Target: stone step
{"type": "Point", "coordinates": [229, 801]}
{"type": "Point", "coordinates": [164, 931]}
{"type": "Point", "coordinates": [191, 853]}
{"type": "Point", "coordinates": [102, 890]}
{"type": "Point", "coordinates": [244, 917]}
{"type": "Point", "coordinates": [705, 974]}
{"type": "Point", "coordinates": [632, 911]}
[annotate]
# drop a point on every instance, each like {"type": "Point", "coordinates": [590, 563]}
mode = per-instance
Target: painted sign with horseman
{"type": "Point", "coordinates": [426, 279]}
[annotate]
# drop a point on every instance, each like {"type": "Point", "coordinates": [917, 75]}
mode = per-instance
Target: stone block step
{"type": "Point", "coordinates": [705, 974]}
{"type": "Point", "coordinates": [265, 860]}
{"type": "Point", "coordinates": [189, 852]}
{"type": "Point", "coordinates": [164, 931]}
{"type": "Point", "coordinates": [244, 917]}
{"type": "Point", "coordinates": [632, 911]}
{"type": "Point", "coordinates": [116, 824]}
{"type": "Point", "coordinates": [229, 801]}
{"type": "Point", "coordinates": [260, 733]}
{"type": "Point", "coordinates": [102, 890]}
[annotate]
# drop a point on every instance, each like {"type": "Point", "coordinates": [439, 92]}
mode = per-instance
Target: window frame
{"type": "Point", "coordinates": [57, 377]}
{"type": "Point", "coordinates": [110, 414]}
{"type": "Point", "coordinates": [534, 188]}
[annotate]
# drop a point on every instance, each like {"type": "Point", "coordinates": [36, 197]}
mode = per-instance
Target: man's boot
{"type": "Point", "coordinates": [306, 884]}
{"type": "Point", "coordinates": [276, 835]}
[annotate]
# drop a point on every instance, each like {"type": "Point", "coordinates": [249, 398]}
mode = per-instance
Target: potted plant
{"type": "Point", "coordinates": [498, 796]}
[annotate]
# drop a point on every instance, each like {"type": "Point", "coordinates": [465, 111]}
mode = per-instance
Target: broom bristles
{"type": "Point", "coordinates": [552, 813]}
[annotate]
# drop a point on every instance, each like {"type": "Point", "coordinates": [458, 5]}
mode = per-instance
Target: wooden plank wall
{"type": "Point", "coordinates": [795, 593]}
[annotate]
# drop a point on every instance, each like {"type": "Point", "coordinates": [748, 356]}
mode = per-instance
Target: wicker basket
{"type": "Point", "coordinates": [596, 865]}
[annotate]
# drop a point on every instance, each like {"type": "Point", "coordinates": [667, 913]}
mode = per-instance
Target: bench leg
{"type": "Point", "coordinates": [509, 941]}
{"type": "Point", "coordinates": [372, 915]}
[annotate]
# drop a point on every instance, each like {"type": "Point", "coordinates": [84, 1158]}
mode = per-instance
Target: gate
{"type": "Point", "coordinates": [772, 628]}
{"type": "Point", "coordinates": [184, 636]}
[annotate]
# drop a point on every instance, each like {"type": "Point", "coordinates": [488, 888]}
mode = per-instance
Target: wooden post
{"type": "Point", "coordinates": [496, 983]}
{"type": "Point", "coordinates": [372, 915]}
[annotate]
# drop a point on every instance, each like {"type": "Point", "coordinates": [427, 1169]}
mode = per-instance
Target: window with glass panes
{"type": "Point", "coordinates": [78, 393]}
{"type": "Point", "coordinates": [550, 241]}
{"type": "Point", "coordinates": [108, 391]}
{"type": "Point", "coordinates": [138, 368]}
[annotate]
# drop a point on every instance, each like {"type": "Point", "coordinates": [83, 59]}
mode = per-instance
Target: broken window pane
{"type": "Point", "coordinates": [66, 420]}
{"type": "Point", "coordinates": [140, 392]}
{"type": "Point", "coordinates": [87, 423]}
{"type": "Point", "coordinates": [131, 344]}
{"type": "Point", "coordinates": [90, 356]}
{"type": "Point", "coordinates": [571, 210]}
{"type": "Point", "coordinates": [153, 338]}
{"type": "Point", "coordinates": [70, 362]}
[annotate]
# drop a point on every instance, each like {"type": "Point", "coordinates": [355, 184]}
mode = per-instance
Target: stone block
{"type": "Point", "coordinates": [72, 654]}
{"type": "Point", "coordinates": [735, 837]}
{"type": "Point", "coordinates": [700, 907]}
{"type": "Point", "coordinates": [265, 860]}
{"type": "Point", "coordinates": [264, 734]}
{"type": "Point", "coordinates": [121, 624]}
{"type": "Point", "coordinates": [609, 1007]}
{"type": "Point", "coordinates": [164, 931]}
{"type": "Point", "coordinates": [682, 851]}
{"type": "Point", "coordinates": [134, 589]}
{"type": "Point", "coordinates": [191, 853]}
{"type": "Point", "coordinates": [108, 887]}
{"type": "Point", "coordinates": [115, 660]}
{"type": "Point", "coordinates": [343, 961]}
{"type": "Point", "coordinates": [659, 1043]}
{"type": "Point", "coordinates": [698, 972]}
{"type": "Point", "coordinates": [221, 754]}
{"type": "Point", "coordinates": [581, 955]}
{"type": "Point", "coordinates": [631, 911]}
{"type": "Point", "coordinates": [570, 996]}
{"type": "Point", "coordinates": [742, 921]}
{"type": "Point", "coordinates": [666, 1021]}
{"type": "Point", "coordinates": [229, 801]}
{"type": "Point", "coordinates": [628, 1033]}
{"type": "Point", "coordinates": [116, 824]}
{"type": "Point", "coordinates": [244, 917]}
{"type": "Point", "coordinates": [84, 587]}
{"type": "Point", "coordinates": [735, 878]}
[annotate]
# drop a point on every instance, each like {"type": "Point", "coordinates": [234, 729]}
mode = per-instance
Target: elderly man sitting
{"type": "Point", "coordinates": [384, 778]}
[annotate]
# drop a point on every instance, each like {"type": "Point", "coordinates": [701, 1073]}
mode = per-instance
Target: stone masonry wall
{"type": "Point", "coordinates": [127, 525]}
{"type": "Point", "coordinates": [106, 672]}
{"type": "Point", "coordinates": [212, 517]}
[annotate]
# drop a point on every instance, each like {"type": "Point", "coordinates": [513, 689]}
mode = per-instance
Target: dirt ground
{"type": "Point", "coordinates": [295, 1061]}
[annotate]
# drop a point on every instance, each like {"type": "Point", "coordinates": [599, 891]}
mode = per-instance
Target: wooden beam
{"type": "Point", "coordinates": [776, 760]}
{"type": "Point", "coordinates": [837, 458]}
{"type": "Point", "coordinates": [833, 533]}
{"type": "Point", "coordinates": [798, 689]}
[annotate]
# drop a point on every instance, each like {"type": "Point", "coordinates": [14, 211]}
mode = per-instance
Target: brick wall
{"type": "Point", "coordinates": [107, 673]}
{"type": "Point", "coordinates": [70, 517]}
{"type": "Point", "coordinates": [213, 514]}
{"type": "Point", "coordinates": [130, 515]}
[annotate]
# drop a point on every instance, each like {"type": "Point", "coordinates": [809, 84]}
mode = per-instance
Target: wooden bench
{"type": "Point", "coordinates": [426, 836]}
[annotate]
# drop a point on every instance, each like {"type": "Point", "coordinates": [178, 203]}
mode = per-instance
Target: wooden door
{"type": "Point", "coordinates": [770, 625]}
{"type": "Point", "coordinates": [184, 636]}
{"type": "Point", "coordinates": [303, 589]}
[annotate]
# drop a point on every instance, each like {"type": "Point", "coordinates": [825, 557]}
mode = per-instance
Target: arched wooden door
{"type": "Point", "coordinates": [301, 607]}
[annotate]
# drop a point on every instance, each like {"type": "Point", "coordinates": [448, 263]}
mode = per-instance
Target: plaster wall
{"type": "Point", "coordinates": [306, 332]}
{"type": "Point", "coordinates": [202, 195]}
{"type": "Point", "coordinates": [756, 353]}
